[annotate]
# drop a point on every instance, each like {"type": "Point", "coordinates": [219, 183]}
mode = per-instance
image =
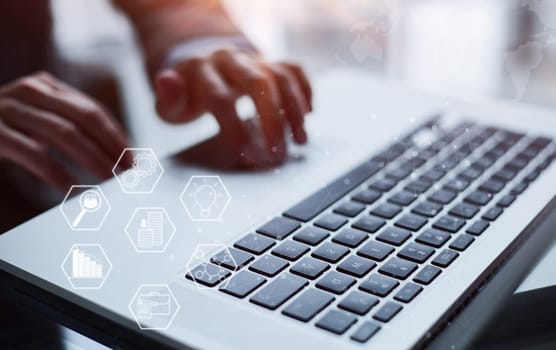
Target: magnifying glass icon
{"type": "Point", "coordinates": [89, 201]}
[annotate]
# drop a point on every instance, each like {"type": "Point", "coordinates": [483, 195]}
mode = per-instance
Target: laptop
{"type": "Point", "coordinates": [405, 223]}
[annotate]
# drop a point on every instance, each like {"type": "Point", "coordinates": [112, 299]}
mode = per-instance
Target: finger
{"type": "Point", "coordinates": [170, 96]}
{"type": "Point", "coordinates": [34, 157]}
{"type": "Point", "coordinates": [303, 82]}
{"type": "Point", "coordinates": [58, 133]}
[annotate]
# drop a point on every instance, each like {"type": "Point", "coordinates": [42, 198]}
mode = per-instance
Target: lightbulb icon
{"type": "Point", "coordinates": [205, 197]}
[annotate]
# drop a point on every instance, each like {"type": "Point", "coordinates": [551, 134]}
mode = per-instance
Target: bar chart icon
{"type": "Point", "coordinates": [86, 266]}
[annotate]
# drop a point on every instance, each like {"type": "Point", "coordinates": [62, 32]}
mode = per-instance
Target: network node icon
{"type": "Point", "coordinates": [144, 174]}
{"type": "Point", "coordinates": [88, 210]}
{"type": "Point", "coordinates": [205, 198]}
{"type": "Point", "coordinates": [200, 266]}
{"type": "Point", "coordinates": [150, 229]}
{"type": "Point", "coordinates": [154, 306]}
{"type": "Point", "coordinates": [86, 266]}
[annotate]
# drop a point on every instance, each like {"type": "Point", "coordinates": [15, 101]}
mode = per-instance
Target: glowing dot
{"type": "Point", "coordinates": [274, 149]}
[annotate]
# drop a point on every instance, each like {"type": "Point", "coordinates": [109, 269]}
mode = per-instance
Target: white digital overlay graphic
{"type": "Point", "coordinates": [86, 266]}
{"type": "Point", "coordinates": [201, 268]}
{"type": "Point", "coordinates": [205, 198]}
{"type": "Point", "coordinates": [154, 306]}
{"type": "Point", "coordinates": [88, 210]}
{"type": "Point", "coordinates": [150, 229]}
{"type": "Point", "coordinates": [144, 174]}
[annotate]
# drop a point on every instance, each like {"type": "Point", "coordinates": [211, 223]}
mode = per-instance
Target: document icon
{"type": "Point", "coordinates": [153, 304]}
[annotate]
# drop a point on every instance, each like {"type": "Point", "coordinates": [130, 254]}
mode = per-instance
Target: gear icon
{"type": "Point", "coordinates": [130, 178]}
{"type": "Point", "coordinates": [144, 164]}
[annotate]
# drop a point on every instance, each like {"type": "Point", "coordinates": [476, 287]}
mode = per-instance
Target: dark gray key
{"type": "Point", "coordinates": [462, 241]}
{"type": "Point", "coordinates": [416, 252]}
{"type": "Point", "coordinates": [464, 210]}
{"type": "Point", "coordinates": [408, 292]}
{"type": "Point", "coordinates": [387, 311]}
{"type": "Point", "coordinates": [478, 227]}
{"type": "Point", "coordinates": [457, 185]}
{"type": "Point", "coordinates": [232, 258]}
{"type": "Point", "coordinates": [350, 237]}
{"type": "Point", "coordinates": [386, 210]}
{"type": "Point", "coordinates": [379, 285]}
{"type": "Point", "coordinates": [336, 282]}
{"type": "Point", "coordinates": [367, 196]}
{"type": "Point", "coordinates": [279, 228]}
{"type": "Point", "coordinates": [427, 209]}
{"type": "Point", "coordinates": [434, 174]}
{"type": "Point", "coordinates": [483, 163]}
{"type": "Point", "coordinates": [254, 243]}
{"type": "Point", "coordinates": [290, 250]}
{"type": "Point", "coordinates": [369, 223]}
{"type": "Point", "coordinates": [309, 268]}
{"type": "Point", "coordinates": [393, 235]}
{"type": "Point", "coordinates": [208, 274]}
{"type": "Point", "coordinates": [358, 302]}
{"type": "Point", "coordinates": [311, 235]}
{"type": "Point", "coordinates": [478, 197]}
{"type": "Point", "coordinates": [427, 274]}
{"type": "Point", "coordinates": [470, 173]}
{"type": "Point", "coordinates": [375, 250]}
{"type": "Point", "coordinates": [350, 209]}
{"type": "Point", "coordinates": [506, 201]}
{"type": "Point", "coordinates": [365, 332]}
{"type": "Point", "coordinates": [398, 268]}
{"type": "Point", "coordinates": [443, 196]}
{"type": "Point", "coordinates": [520, 187]}
{"type": "Point", "coordinates": [449, 223]}
{"type": "Point", "coordinates": [268, 265]}
{"type": "Point", "coordinates": [492, 186]}
{"type": "Point", "coordinates": [330, 252]}
{"type": "Point", "coordinates": [278, 291]}
{"type": "Point", "coordinates": [403, 198]}
{"type": "Point", "coordinates": [445, 258]}
{"type": "Point", "coordinates": [399, 173]}
{"type": "Point", "coordinates": [242, 284]}
{"type": "Point", "coordinates": [356, 266]}
{"type": "Point", "coordinates": [517, 164]}
{"type": "Point", "coordinates": [505, 174]}
{"type": "Point", "coordinates": [418, 186]}
{"type": "Point", "coordinates": [336, 321]}
{"type": "Point", "coordinates": [492, 214]}
{"type": "Point", "coordinates": [331, 222]}
{"type": "Point", "coordinates": [384, 185]}
{"type": "Point", "coordinates": [434, 238]}
{"type": "Point", "coordinates": [411, 222]}
{"type": "Point", "coordinates": [308, 304]}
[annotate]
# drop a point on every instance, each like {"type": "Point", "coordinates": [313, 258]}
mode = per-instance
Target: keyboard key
{"type": "Point", "coordinates": [379, 285]}
{"type": "Point", "coordinates": [331, 222]}
{"type": "Point", "coordinates": [457, 185]}
{"type": "Point", "coordinates": [311, 235]}
{"type": "Point", "coordinates": [279, 291]}
{"type": "Point", "coordinates": [386, 210]}
{"type": "Point", "coordinates": [519, 188]}
{"type": "Point", "coordinates": [416, 252]}
{"type": "Point", "coordinates": [208, 274]}
{"type": "Point", "coordinates": [408, 292]}
{"type": "Point", "coordinates": [350, 237]}
{"type": "Point", "coordinates": [336, 321]}
{"type": "Point", "coordinates": [393, 236]}
{"type": "Point", "coordinates": [461, 242]}
{"type": "Point", "coordinates": [308, 305]}
{"type": "Point", "coordinates": [350, 209]}
{"type": "Point", "coordinates": [375, 250]}
{"type": "Point", "coordinates": [232, 258]}
{"type": "Point", "coordinates": [427, 209]}
{"type": "Point", "coordinates": [279, 228]}
{"type": "Point", "coordinates": [442, 196]}
{"type": "Point", "coordinates": [254, 243]}
{"type": "Point", "coordinates": [492, 214]}
{"type": "Point", "coordinates": [365, 332]}
{"type": "Point", "coordinates": [505, 174]}
{"type": "Point", "coordinates": [433, 238]}
{"type": "Point", "coordinates": [369, 223]}
{"type": "Point", "coordinates": [517, 164]}
{"type": "Point", "coordinates": [483, 163]}
{"type": "Point", "coordinates": [411, 222]}
{"type": "Point", "coordinates": [387, 311]}
{"type": "Point", "coordinates": [330, 252]}
{"type": "Point", "coordinates": [242, 284]}
{"type": "Point", "coordinates": [418, 186]}
{"type": "Point", "coordinates": [403, 198]}
{"type": "Point", "coordinates": [434, 174]}
{"type": "Point", "coordinates": [268, 265]}
{"type": "Point", "coordinates": [399, 173]}
{"type": "Point", "coordinates": [445, 258]}
{"type": "Point", "coordinates": [336, 282]}
{"type": "Point", "coordinates": [427, 274]}
{"type": "Point", "coordinates": [356, 266]}
{"type": "Point", "coordinates": [290, 250]}
{"type": "Point", "coordinates": [506, 201]}
{"type": "Point", "coordinates": [367, 196]}
{"type": "Point", "coordinates": [470, 174]}
{"type": "Point", "coordinates": [492, 186]}
{"type": "Point", "coordinates": [398, 268]}
{"type": "Point", "coordinates": [478, 197]}
{"type": "Point", "coordinates": [309, 268]}
{"type": "Point", "coordinates": [358, 302]}
{"type": "Point", "coordinates": [384, 185]}
{"type": "Point", "coordinates": [477, 227]}
{"type": "Point", "coordinates": [464, 210]}
{"type": "Point", "coordinates": [449, 223]}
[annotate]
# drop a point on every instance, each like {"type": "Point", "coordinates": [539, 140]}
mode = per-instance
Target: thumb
{"type": "Point", "coordinates": [170, 96]}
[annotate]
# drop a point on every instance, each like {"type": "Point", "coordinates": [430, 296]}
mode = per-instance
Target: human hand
{"type": "Point", "coordinates": [39, 113]}
{"type": "Point", "coordinates": [280, 92]}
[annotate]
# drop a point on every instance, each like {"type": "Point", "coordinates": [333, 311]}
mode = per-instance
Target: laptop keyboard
{"type": "Point", "coordinates": [351, 255]}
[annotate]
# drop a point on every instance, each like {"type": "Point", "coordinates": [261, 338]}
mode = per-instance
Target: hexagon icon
{"type": "Point", "coordinates": [202, 272]}
{"type": "Point", "coordinates": [154, 306]}
{"type": "Point", "coordinates": [88, 211]}
{"type": "Point", "coordinates": [86, 266]}
{"type": "Point", "coordinates": [150, 229]}
{"type": "Point", "coordinates": [205, 198]}
{"type": "Point", "coordinates": [143, 175]}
